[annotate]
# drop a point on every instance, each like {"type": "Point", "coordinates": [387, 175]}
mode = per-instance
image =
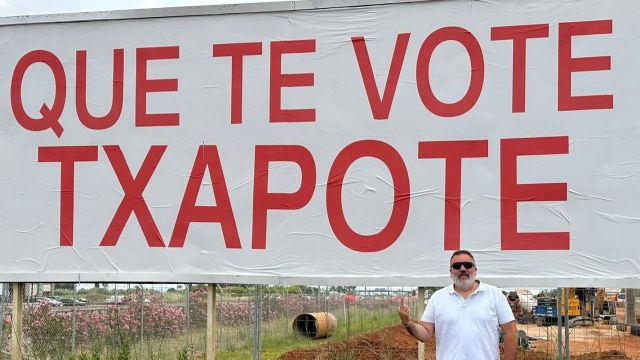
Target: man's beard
{"type": "Point", "coordinates": [464, 284]}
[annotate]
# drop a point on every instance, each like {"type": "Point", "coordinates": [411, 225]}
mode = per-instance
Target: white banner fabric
{"type": "Point", "coordinates": [355, 145]}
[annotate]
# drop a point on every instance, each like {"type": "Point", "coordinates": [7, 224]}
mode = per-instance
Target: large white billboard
{"type": "Point", "coordinates": [323, 145]}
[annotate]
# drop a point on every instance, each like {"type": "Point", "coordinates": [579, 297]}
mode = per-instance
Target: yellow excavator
{"type": "Point", "coordinates": [604, 308]}
{"type": "Point", "coordinates": [593, 304]}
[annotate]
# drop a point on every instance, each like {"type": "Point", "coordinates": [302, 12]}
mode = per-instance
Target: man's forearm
{"type": "Point", "coordinates": [417, 331]}
{"type": "Point", "coordinates": [510, 346]}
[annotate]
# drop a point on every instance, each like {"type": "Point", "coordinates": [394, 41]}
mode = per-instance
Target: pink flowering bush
{"type": "Point", "coordinates": [121, 324]}
{"type": "Point", "coordinates": [374, 303]}
{"type": "Point", "coordinates": [47, 334]}
{"type": "Point", "coordinates": [228, 313]}
{"type": "Point", "coordinates": [198, 308]}
{"type": "Point", "coordinates": [6, 323]}
{"type": "Point", "coordinates": [49, 331]}
{"type": "Point", "coordinates": [160, 320]}
{"type": "Point", "coordinates": [91, 326]}
{"type": "Point", "coordinates": [287, 305]}
{"type": "Point", "coordinates": [5, 332]}
{"type": "Point", "coordinates": [242, 311]}
{"type": "Point", "coordinates": [236, 313]}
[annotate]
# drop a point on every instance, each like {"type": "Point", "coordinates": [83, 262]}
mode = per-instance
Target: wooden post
{"type": "Point", "coordinates": [211, 322]}
{"type": "Point", "coordinates": [16, 321]}
{"type": "Point", "coordinates": [421, 291]}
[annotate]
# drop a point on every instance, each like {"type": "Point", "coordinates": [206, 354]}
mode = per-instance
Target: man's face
{"type": "Point", "coordinates": [462, 277]}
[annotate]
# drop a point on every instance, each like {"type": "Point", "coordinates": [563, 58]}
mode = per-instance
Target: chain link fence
{"type": "Point", "coordinates": [168, 321]}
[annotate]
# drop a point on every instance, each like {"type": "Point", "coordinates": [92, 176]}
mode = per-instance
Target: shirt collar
{"type": "Point", "coordinates": [481, 287]}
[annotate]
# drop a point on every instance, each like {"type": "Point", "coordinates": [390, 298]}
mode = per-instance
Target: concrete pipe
{"type": "Point", "coordinates": [315, 325]}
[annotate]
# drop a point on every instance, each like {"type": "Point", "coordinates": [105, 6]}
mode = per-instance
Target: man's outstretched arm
{"type": "Point", "coordinates": [422, 331]}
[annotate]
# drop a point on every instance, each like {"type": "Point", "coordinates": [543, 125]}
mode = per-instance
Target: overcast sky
{"type": "Point", "coordinates": [33, 7]}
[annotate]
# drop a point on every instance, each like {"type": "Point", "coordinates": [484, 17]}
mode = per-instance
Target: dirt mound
{"type": "Point", "coordinates": [395, 343]}
{"type": "Point", "coordinates": [607, 355]}
{"type": "Point", "coordinates": [388, 343]}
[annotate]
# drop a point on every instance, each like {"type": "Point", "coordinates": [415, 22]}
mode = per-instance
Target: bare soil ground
{"type": "Point", "coordinates": [601, 342]}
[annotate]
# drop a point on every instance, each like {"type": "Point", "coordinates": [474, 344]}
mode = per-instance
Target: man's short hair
{"type": "Point", "coordinates": [461, 252]}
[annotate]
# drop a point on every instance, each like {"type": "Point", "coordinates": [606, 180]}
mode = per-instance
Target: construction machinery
{"type": "Point", "coordinates": [586, 305]}
{"type": "Point", "coordinates": [546, 310]}
{"type": "Point", "coordinates": [595, 304]}
{"type": "Point", "coordinates": [604, 308]}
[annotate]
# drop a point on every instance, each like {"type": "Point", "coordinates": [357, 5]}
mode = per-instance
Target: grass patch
{"type": "Point", "coordinates": [277, 341]}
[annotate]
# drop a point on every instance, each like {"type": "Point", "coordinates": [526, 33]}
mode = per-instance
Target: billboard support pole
{"type": "Point", "coordinates": [421, 291]}
{"type": "Point", "coordinates": [211, 322]}
{"type": "Point", "coordinates": [16, 321]}
{"type": "Point", "coordinates": [257, 333]}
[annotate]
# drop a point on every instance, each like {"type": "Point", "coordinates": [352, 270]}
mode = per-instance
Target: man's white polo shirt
{"type": "Point", "coordinates": [468, 329]}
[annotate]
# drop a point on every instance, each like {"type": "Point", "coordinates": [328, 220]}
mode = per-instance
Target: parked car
{"type": "Point", "coordinates": [46, 300]}
{"type": "Point", "coordinates": [115, 299]}
{"type": "Point", "coordinates": [70, 302]}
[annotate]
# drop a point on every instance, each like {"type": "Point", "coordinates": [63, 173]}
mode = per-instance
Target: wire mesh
{"type": "Point", "coordinates": [168, 321]}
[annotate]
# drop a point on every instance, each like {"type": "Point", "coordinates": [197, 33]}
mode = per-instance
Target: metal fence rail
{"type": "Point", "coordinates": [169, 321]}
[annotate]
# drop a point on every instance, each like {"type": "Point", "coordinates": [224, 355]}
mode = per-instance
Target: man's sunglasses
{"type": "Point", "coordinates": [457, 265]}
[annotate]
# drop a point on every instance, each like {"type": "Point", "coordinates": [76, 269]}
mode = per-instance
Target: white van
{"type": "Point", "coordinates": [115, 299]}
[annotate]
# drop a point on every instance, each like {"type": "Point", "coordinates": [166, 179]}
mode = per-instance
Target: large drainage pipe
{"type": "Point", "coordinates": [315, 325]}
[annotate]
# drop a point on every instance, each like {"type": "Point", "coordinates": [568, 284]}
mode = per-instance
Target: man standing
{"type": "Point", "coordinates": [465, 316]}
